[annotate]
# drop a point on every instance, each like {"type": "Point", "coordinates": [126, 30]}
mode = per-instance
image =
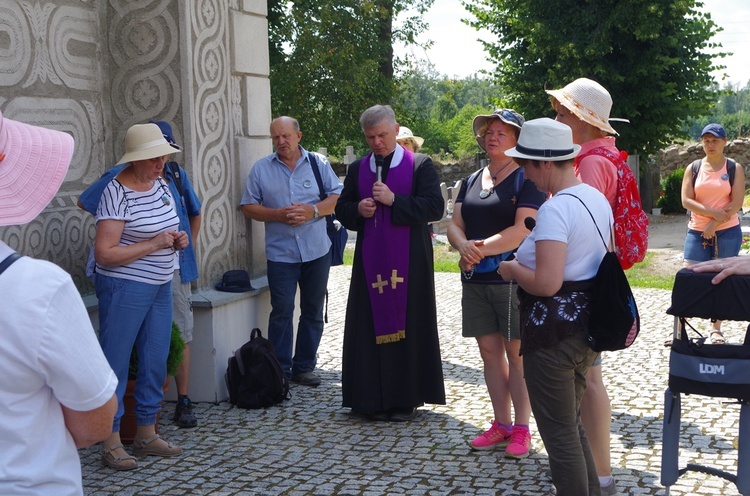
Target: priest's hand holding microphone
{"type": "Point", "coordinates": [380, 192]}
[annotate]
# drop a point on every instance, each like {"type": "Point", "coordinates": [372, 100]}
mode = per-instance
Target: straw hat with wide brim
{"type": "Point", "coordinates": [145, 141]}
{"type": "Point", "coordinates": [589, 101]}
{"type": "Point", "coordinates": [405, 133]}
{"type": "Point", "coordinates": [546, 140]}
{"type": "Point", "coordinates": [33, 164]}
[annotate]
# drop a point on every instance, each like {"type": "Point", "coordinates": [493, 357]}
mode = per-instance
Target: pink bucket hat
{"type": "Point", "coordinates": [589, 101]}
{"type": "Point", "coordinates": [33, 163]}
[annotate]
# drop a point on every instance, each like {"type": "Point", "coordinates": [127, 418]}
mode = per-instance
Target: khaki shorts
{"type": "Point", "coordinates": [490, 308]}
{"type": "Point", "coordinates": [182, 307]}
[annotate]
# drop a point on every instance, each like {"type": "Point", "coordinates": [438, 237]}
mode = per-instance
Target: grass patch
{"type": "Point", "coordinates": [647, 275]}
{"type": "Point", "coordinates": [642, 275]}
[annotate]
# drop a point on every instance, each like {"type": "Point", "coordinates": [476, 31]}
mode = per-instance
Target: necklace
{"type": "Point", "coordinates": [486, 192]}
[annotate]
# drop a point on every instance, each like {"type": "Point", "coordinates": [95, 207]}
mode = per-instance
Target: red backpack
{"type": "Point", "coordinates": [631, 222]}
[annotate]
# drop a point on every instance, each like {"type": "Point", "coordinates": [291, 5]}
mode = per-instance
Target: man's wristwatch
{"type": "Point", "coordinates": [316, 214]}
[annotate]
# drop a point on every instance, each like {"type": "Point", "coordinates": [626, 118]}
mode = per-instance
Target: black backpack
{"type": "Point", "coordinates": [254, 377]}
{"type": "Point", "coordinates": [614, 321]}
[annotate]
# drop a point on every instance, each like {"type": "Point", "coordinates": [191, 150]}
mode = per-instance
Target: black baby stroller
{"type": "Point", "coordinates": [695, 367]}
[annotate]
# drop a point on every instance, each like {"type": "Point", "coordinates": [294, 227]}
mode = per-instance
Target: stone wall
{"type": "Point", "coordinates": [677, 157]}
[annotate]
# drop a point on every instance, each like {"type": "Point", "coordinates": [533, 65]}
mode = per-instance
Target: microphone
{"type": "Point", "coordinates": [379, 168]}
{"type": "Point", "coordinates": [529, 222]}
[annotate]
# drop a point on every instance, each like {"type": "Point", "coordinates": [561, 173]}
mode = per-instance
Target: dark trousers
{"type": "Point", "coordinates": [556, 380]}
{"type": "Point", "coordinates": [283, 279]}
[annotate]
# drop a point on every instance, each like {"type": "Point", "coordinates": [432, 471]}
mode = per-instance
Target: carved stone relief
{"type": "Point", "coordinates": [93, 69]}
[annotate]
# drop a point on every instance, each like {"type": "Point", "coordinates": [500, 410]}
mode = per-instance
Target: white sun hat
{"type": "Point", "coordinates": [405, 133]}
{"type": "Point", "coordinates": [545, 139]}
{"type": "Point", "coordinates": [589, 101]}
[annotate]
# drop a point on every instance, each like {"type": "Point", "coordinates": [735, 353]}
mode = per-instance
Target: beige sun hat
{"type": "Point", "coordinates": [589, 101]}
{"type": "Point", "coordinates": [145, 141]}
{"type": "Point", "coordinates": [405, 133]}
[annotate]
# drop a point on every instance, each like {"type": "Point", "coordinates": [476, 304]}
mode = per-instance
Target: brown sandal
{"type": "Point", "coordinates": [717, 337]}
{"type": "Point", "coordinates": [143, 447]}
{"type": "Point", "coordinates": [109, 459]}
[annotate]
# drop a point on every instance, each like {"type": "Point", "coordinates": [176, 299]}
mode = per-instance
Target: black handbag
{"type": "Point", "coordinates": [614, 321]}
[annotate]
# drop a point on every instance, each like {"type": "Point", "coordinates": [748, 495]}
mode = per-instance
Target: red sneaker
{"type": "Point", "coordinates": [496, 436]}
{"type": "Point", "coordinates": [520, 442]}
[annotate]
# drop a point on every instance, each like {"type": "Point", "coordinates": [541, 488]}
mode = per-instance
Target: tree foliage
{"type": "Point", "coordinates": [650, 54]}
{"type": "Point", "coordinates": [732, 110]}
{"type": "Point", "coordinates": [332, 59]}
{"type": "Point", "coordinates": [441, 109]}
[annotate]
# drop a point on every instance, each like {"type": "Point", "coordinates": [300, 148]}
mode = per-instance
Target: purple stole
{"type": "Point", "coordinates": [385, 252]}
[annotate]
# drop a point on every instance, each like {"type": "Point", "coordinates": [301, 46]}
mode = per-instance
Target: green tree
{"type": "Point", "coordinates": [650, 54]}
{"type": "Point", "coordinates": [331, 59]}
{"type": "Point", "coordinates": [441, 109]}
{"type": "Point", "coordinates": [732, 110]}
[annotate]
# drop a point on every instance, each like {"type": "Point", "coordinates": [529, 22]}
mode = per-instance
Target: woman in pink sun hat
{"type": "Point", "coordinates": [57, 391]}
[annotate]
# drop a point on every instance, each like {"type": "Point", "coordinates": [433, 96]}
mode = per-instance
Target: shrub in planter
{"type": "Point", "coordinates": [176, 347]}
{"type": "Point", "coordinates": [670, 199]}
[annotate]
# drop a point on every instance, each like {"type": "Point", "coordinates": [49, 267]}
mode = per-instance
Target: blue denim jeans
{"type": "Point", "coordinates": [136, 314]}
{"type": "Point", "coordinates": [283, 279]}
{"type": "Point", "coordinates": [729, 243]}
{"type": "Point", "coordinates": [556, 380]}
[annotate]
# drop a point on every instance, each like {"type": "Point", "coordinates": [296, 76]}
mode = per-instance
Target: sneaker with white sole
{"type": "Point", "coordinates": [520, 442]}
{"type": "Point", "coordinates": [610, 489]}
{"type": "Point", "coordinates": [496, 436]}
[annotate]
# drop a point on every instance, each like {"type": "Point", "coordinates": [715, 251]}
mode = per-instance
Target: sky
{"type": "Point", "coordinates": [457, 51]}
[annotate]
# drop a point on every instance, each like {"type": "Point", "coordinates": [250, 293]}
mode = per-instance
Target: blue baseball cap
{"type": "Point", "coordinates": [166, 130]}
{"type": "Point", "coordinates": [714, 129]}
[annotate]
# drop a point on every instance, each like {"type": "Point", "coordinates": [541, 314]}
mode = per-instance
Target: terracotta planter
{"type": "Point", "coordinates": [128, 424]}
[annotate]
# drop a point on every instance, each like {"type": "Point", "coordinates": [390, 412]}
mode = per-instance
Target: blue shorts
{"type": "Point", "coordinates": [698, 249]}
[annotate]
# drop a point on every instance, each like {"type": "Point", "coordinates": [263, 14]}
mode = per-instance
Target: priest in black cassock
{"type": "Point", "coordinates": [391, 362]}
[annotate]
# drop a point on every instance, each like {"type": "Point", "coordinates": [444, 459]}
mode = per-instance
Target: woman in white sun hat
{"type": "Point", "coordinates": [137, 241]}
{"type": "Point", "coordinates": [57, 391]}
{"type": "Point", "coordinates": [407, 139]}
{"type": "Point", "coordinates": [584, 105]}
{"type": "Point", "coordinates": [554, 267]}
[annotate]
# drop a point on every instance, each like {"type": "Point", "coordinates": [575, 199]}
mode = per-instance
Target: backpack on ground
{"type": "Point", "coordinates": [631, 222]}
{"type": "Point", "coordinates": [254, 377]}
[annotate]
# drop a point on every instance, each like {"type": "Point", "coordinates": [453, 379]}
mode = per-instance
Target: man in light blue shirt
{"type": "Point", "coordinates": [282, 191]}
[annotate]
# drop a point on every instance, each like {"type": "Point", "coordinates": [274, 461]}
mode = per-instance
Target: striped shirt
{"type": "Point", "coordinates": [146, 214]}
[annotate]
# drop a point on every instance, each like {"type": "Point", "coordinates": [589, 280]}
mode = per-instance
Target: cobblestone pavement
{"type": "Point", "coordinates": [311, 445]}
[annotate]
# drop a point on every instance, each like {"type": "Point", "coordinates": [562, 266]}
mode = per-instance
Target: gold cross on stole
{"type": "Point", "coordinates": [379, 285]}
{"type": "Point", "coordinates": [395, 279]}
